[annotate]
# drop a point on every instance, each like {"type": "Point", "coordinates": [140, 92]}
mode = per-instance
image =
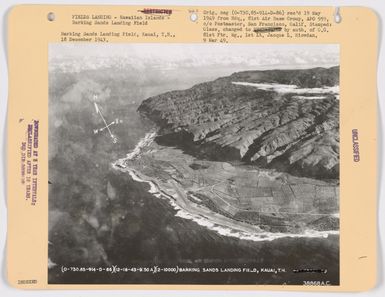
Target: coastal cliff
{"type": "Point", "coordinates": [282, 119]}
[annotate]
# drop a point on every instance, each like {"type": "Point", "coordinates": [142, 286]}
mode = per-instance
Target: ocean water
{"type": "Point", "coordinates": [201, 220]}
{"type": "Point", "coordinates": [136, 227]}
{"type": "Point", "coordinates": [152, 230]}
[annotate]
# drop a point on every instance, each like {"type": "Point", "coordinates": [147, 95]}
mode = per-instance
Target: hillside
{"type": "Point", "coordinates": [282, 119]}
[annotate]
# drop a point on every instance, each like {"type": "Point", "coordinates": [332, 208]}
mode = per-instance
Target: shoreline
{"type": "Point", "coordinates": [204, 217]}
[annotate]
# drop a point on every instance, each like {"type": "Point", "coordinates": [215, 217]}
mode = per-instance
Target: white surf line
{"type": "Point", "coordinates": [220, 228]}
{"type": "Point", "coordinates": [145, 141]}
{"type": "Point", "coordinates": [282, 88]}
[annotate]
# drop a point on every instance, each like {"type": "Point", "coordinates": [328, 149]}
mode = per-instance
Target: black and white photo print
{"type": "Point", "coordinates": [193, 163]}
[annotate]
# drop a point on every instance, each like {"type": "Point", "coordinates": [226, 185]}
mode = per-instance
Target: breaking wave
{"type": "Point", "coordinates": [145, 141]}
{"type": "Point", "coordinates": [202, 220]}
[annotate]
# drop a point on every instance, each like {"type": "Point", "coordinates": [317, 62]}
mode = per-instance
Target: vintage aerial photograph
{"type": "Point", "coordinates": [193, 164]}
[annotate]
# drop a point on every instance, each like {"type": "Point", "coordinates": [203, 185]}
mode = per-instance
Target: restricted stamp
{"type": "Point", "coordinates": [192, 147]}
